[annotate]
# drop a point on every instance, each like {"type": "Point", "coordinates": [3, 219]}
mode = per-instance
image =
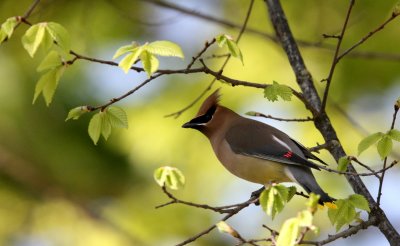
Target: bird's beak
{"type": "Point", "coordinates": [189, 125]}
{"type": "Point", "coordinates": [192, 124]}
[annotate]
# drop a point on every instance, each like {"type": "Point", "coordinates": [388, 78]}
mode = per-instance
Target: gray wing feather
{"type": "Point", "coordinates": [253, 138]}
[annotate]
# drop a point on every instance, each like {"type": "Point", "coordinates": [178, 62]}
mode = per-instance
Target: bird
{"type": "Point", "coordinates": [255, 151]}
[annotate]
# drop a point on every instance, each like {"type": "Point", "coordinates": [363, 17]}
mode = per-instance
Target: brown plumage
{"type": "Point", "coordinates": [255, 151]}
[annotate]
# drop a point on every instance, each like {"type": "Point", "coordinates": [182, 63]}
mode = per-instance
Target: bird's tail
{"type": "Point", "coordinates": [306, 179]}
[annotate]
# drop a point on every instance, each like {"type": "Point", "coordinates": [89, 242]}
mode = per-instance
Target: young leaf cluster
{"type": "Point", "coordinates": [146, 54]}
{"type": "Point", "coordinates": [171, 177]}
{"type": "Point", "coordinates": [7, 28]}
{"type": "Point", "coordinates": [385, 142]}
{"type": "Point", "coordinates": [291, 228]}
{"type": "Point", "coordinates": [225, 40]}
{"type": "Point", "coordinates": [102, 122]}
{"type": "Point", "coordinates": [345, 211]}
{"type": "Point", "coordinates": [274, 198]}
{"type": "Point", "coordinates": [272, 92]}
{"type": "Point", "coordinates": [53, 68]}
{"type": "Point", "coordinates": [45, 34]}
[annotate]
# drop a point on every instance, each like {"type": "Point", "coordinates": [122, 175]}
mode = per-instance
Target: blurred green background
{"type": "Point", "coordinates": [57, 188]}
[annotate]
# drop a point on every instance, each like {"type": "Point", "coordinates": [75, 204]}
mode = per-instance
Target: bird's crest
{"type": "Point", "coordinates": [211, 101]}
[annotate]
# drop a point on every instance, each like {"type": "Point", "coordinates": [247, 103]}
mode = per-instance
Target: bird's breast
{"type": "Point", "coordinates": [252, 169]}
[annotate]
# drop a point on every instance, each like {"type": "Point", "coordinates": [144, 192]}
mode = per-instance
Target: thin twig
{"type": "Point", "coordinates": [241, 32]}
{"type": "Point", "coordinates": [195, 58]}
{"type": "Point", "coordinates": [344, 234]}
{"type": "Point", "coordinates": [370, 34]}
{"type": "Point", "coordinates": [256, 114]}
{"type": "Point", "coordinates": [335, 57]}
{"type": "Point", "coordinates": [378, 200]}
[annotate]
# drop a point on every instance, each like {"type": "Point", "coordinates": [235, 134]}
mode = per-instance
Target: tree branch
{"type": "Point", "coordinates": [322, 121]}
{"type": "Point", "coordinates": [335, 56]}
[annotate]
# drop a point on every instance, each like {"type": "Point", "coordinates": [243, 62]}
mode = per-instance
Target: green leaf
{"type": "Point", "coordinates": [171, 177]}
{"type": "Point", "coordinates": [127, 62]}
{"type": "Point", "coordinates": [272, 92]}
{"type": "Point", "coordinates": [223, 227]}
{"type": "Point", "coordinates": [226, 40]}
{"type": "Point", "coordinates": [95, 127]}
{"type": "Point", "coordinates": [312, 201]}
{"type": "Point", "coordinates": [305, 218]}
{"type": "Point", "coordinates": [8, 27]}
{"type": "Point", "coordinates": [50, 88]}
{"type": "Point", "coordinates": [60, 35]}
{"type": "Point", "coordinates": [33, 37]}
{"type": "Point", "coordinates": [369, 141]}
{"type": "Point", "coordinates": [105, 125]}
{"type": "Point", "coordinates": [117, 117]}
{"type": "Point", "coordinates": [273, 199]}
{"type": "Point", "coordinates": [394, 134]}
{"type": "Point", "coordinates": [359, 201]}
{"type": "Point", "coordinates": [288, 233]}
{"type": "Point", "coordinates": [125, 49]}
{"type": "Point", "coordinates": [385, 146]}
{"type": "Point", "coordinates": [234, 49]}
{"type": "Point", "coordinates": [221, 40]}
{"type": "Point", "coordinates": [343, 163]}
{"type": "Point", "coordinates": [3, 36]}
{"type": "Point", "coordinates": [52, 60]}
{"type": "Point", "coordinates": [164, 48]}
{"type": "Point", "coordinates": [77, 112]}
{"type": "Point", "coordinates": [291, 192]}
{"type": "Point", "coordinates": [150, 62]}
{"type": "Point", "coordinates": [344, 214]}
{"type": "Point", "coordinates": [48, 83]}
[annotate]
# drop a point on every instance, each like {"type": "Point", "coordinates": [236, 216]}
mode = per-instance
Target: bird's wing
{"type": "Point", "coordinates": [253, 138]}
{"type": "Point", "coordinates": [308, 153]}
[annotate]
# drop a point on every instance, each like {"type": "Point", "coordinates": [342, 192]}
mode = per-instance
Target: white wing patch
{"type": "Point", "coordinates": [281, 142]}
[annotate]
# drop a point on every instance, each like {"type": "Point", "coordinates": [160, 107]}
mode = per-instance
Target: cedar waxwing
{"type": "Point", "coordinates": [255, 151]}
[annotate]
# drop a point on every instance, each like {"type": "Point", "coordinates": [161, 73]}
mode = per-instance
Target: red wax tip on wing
{"type": "Point", "coordinates": [288, 154]}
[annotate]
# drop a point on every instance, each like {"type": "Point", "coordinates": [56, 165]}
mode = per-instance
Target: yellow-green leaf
{"type": "Point", "coordinates": [60, 35]}
{"type": "Point", "coordinates": [291, 192]}
{"type": "Point", "coordinates": [273, 199]}
{"type": "Point", "coordinates": [150, 62]}
{"type": "Point", "coordinates": [47, 84]}
{"type": "Point", "coordinates": [77, 112]}
{"type": "Point", "coordinates": [359, 201]}
{"type": "Point", "coordinates": [51, 61]}
{"type": "Point", "coordinates": [33, 37]}
{"type": "Point", "coordinates": [312, 201]}
{"type": "Point", "coordinates": [272, 92]}
{"type": "Point", "coordinates": [344, 214]}
{"type": "Point", "coordinates": [125, 49]}
{"type": "Point", "coordinates": [117, 117]}
{"type": "Point", "coordinates": [369, 141]}
{"type": "Point", "coordinates": [288, 233]}
{"type": "Point", "coordinates": [234, 49]}
{"type": "Point", "coordinates": [385, 146]}
{"type": "Point", "coordinates": [164, 48]}
{"type": "Point", "coordinates": [305, 218]}
{"type": "Point", "coordinates": [95, 127]}
{"type": "Point", "coordinates": [127, 62]}
{"type": "Point", "coordinates": [343, 163]}
{"type": "Point", "coordinates": [8, 28]}
{"type": "Point", "coordinates": [221, 40]}
{"type": "Point", "coordinates": [51, 86]}
{"type": "Point", "coordinates": [171, 177]}
{"type": "Point", "coordinates": [105, 125]}
{"type": "Point", "coordinates": [394, 134]}
{"type": "Point", "coordinates": [223, 227]}
{"type": "Point", "coordinates": [3, 36]}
